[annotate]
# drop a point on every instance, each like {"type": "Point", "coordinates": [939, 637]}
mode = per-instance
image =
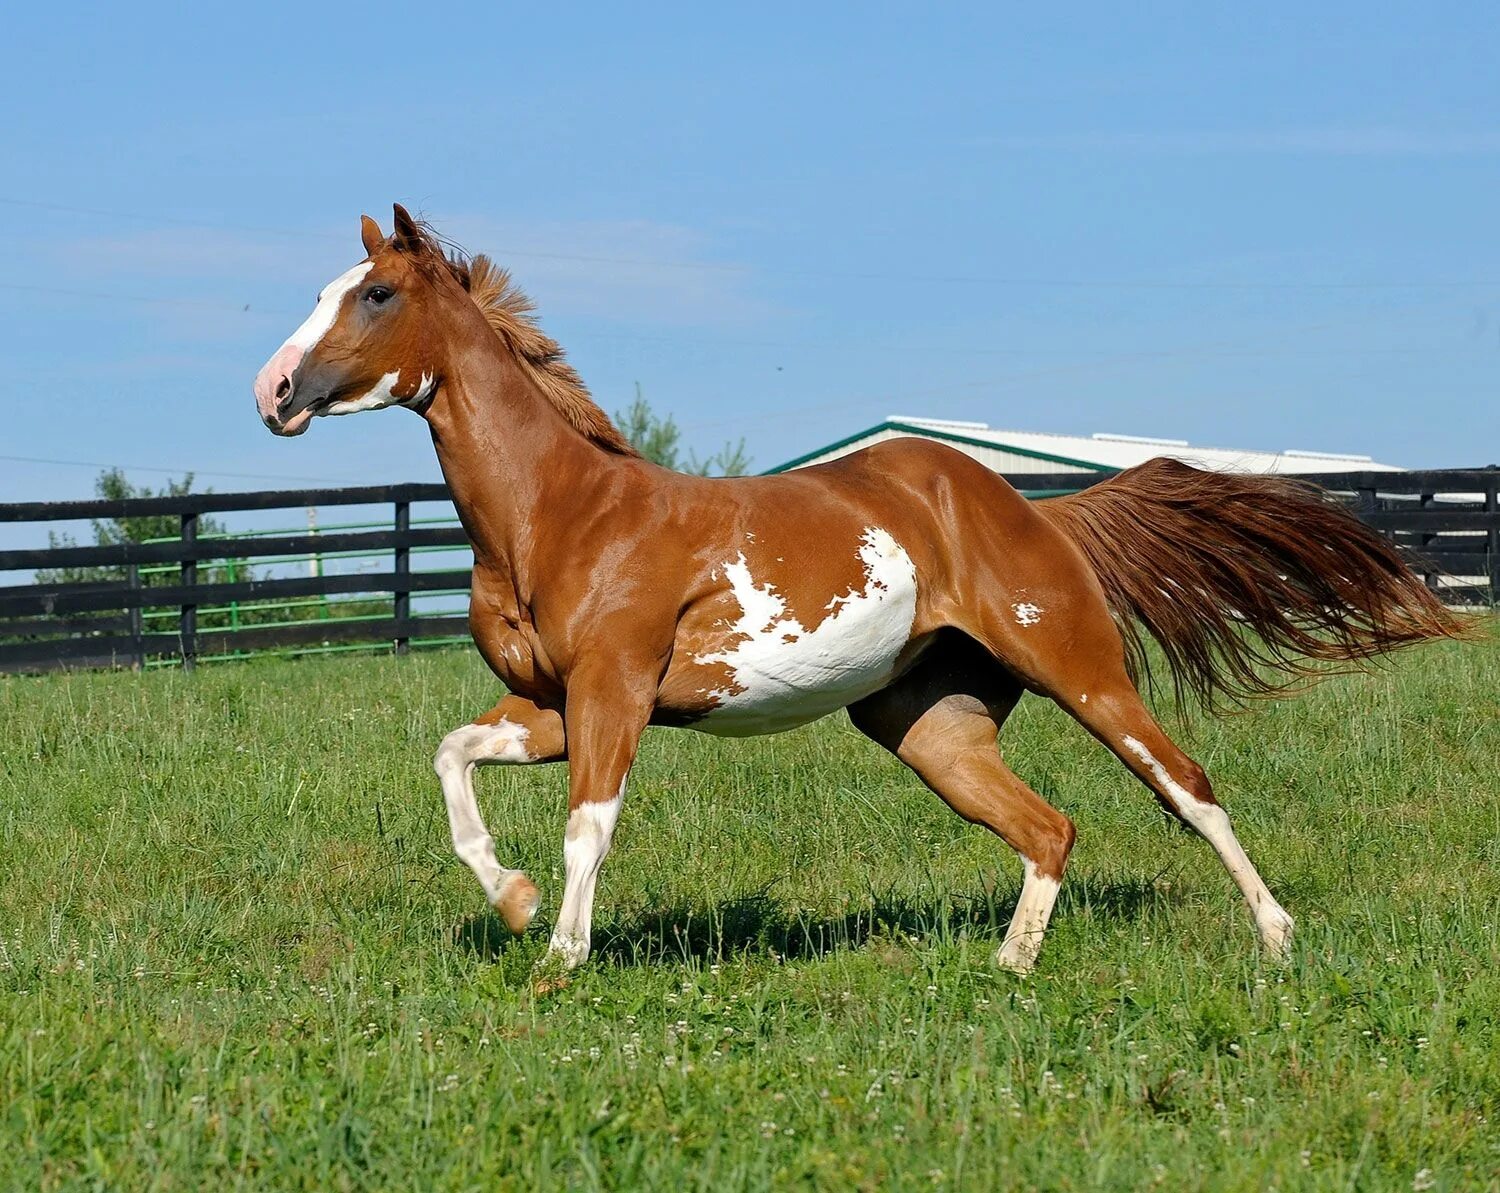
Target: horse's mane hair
{"type": "Point", "coordinates": [511, 314]}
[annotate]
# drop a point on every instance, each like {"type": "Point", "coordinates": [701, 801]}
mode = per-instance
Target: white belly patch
{"type": "Point", "coordinates": [786, 675]}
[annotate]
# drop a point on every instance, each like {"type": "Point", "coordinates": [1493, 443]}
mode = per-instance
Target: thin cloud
{"type": "Point", "coordinates": [632, 271]}
{"type": "Point", "coordinates": [635, 272]}
{"type": "Point", "coordinates": [197, 253]}
{"type": "Point", "coordinates": [1331, 141]}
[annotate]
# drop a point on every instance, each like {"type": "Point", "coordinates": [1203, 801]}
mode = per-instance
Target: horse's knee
{"type": "Point", "coordinates": [480, 743]}
{"type": "Point", "coordinates": [1054, 845]}
{"type": "Point", "coordinates": [453, 752]}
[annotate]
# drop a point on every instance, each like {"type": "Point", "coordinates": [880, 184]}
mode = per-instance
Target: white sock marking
{"type": "Point", "coordinates": [1211, 822]}
{"type": "Point", "coordinates": [463, 749]}
{"type": "Point", "coordinates": [1023, 939]}
{"type": "Point", "coordinates": [591, 827]}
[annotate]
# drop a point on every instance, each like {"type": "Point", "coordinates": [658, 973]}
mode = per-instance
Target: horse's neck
{"type": "Point", "coordinates": [513, 464]}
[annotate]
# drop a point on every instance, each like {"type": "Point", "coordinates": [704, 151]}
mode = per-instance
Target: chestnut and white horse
{"type": "Point", "coordinates": [906, 583]}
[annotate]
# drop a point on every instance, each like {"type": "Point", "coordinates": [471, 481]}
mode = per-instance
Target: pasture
{"type": "Point", "coordinates": [236, 951]}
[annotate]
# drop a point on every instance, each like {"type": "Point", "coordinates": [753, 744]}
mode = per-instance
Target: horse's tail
{"type": "Point", "coordinates": [1250, 584]}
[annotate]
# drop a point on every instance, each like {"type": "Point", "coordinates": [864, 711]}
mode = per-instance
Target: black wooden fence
{"type": "Point", "coordinates": [101, 624]}
{"type": "Point", "coordinates": [1447, 519]}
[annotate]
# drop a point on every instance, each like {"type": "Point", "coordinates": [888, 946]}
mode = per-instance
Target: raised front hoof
{"type": "Point", "coordinates": [1276, 929]}
{"type": "Point", "coordinates": [517, 902]}
{"type": "Point", "coordinates": [1016, 958]}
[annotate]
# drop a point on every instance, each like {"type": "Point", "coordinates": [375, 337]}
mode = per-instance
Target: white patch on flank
{"type": "Point", "coordinates": [1084, 699]}
{"type": "Point", "coordinates": [1211, 822]}
{"type": "Point", "coordinates": [316, 326]}
{"type": "Point", "coordinates": [591, 827]}
{"type": "Point", "coordinates": [463, 749]}
{"type": "Point", "coordinates": [382, 394]}
{"type": "Point", "coordinates": [1023, 939]}
{"type": "Point", "coordinates": [785, 674]}
{"type": "Point", "coordinates": [1027, 613]}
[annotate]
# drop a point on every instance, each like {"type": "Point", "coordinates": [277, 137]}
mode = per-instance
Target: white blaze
{"type": "Point", "coordinates": [316, 326]}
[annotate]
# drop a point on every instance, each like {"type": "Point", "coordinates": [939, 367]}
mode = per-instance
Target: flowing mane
{"type": "Point", "coordinates": [511, 313]}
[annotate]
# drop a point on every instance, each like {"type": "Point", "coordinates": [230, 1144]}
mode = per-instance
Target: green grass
{"type": "Point", "coordinates": [235, 950]}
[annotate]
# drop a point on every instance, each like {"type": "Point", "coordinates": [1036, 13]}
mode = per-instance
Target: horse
{"type": "Point", "coordinates": [906, 583]}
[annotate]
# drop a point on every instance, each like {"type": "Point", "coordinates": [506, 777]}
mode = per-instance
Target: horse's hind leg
{"type": "Point", "coordinates": [514, 731]}
{"type": "Point", "coordinates": [941, 719]}
{"type": "Point", "coordinates": [1115, 713]}
{"type": "Point", "coordinates": [1066, 646]}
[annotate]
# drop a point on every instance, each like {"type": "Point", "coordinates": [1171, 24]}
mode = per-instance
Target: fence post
{"type": "Point", "coordinates": [1430, 578]}
{"type": "Point", "coordinates": [315, 562]}
{"type": "Point", "coordinates": [137, 647]}
{"type": "Point", "coordinates": [188, 620]}
{"type": "Point", "coordinates": [1492, 545]}
{"type": "Point", "coordinates": [402, 604]}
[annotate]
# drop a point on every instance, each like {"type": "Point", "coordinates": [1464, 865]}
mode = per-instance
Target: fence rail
{"type": "Point", "coordinates": [154, 611]}
{"type": "Point", "coordinates": [164, 595]}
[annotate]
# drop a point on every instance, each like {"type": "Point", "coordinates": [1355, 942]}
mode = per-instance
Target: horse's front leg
{"type": "Point", "coordinates": [514, 731]}
{"type": "Point", "coordinates": [606, 714]}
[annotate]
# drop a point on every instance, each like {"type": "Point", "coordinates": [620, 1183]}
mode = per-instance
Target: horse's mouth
{"type": "Point", "coordinates": [288, 427]}
{"type": "Point", "coordinates": [297, 422]}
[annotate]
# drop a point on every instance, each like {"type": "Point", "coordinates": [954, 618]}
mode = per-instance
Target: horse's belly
{"type": "Point", "coordinates": [772, 672]}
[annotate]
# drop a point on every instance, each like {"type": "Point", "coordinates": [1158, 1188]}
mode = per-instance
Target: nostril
{"type": "Point", "coordinates": [283, 391]}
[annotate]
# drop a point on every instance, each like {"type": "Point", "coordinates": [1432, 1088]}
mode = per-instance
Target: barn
{"type": "Point", "coordinates": [1021, 452]}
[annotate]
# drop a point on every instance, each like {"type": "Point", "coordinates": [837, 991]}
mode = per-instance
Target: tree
{"type": "Point", "coordinates": [112, 485]}
{"type": "Point", "coordinates": [659, 440]}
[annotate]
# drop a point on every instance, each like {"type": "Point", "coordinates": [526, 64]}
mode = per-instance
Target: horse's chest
{"type": "Point", "coordinates": [776, 667]}
{"type": "Point", "coordinates": [509, 645]}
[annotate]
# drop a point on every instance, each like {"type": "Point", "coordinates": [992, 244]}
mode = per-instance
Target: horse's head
{"type": "Point", "coordinates": [372, 341]}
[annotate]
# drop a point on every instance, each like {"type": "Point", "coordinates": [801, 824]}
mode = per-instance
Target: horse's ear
{"type": "Point", "coordinates": [408, 236]}
{"type": "Point", "coordinates": [370, 233]}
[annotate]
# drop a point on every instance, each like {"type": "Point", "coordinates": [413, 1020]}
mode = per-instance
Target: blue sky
{"type": "Point", "coordinates": [1272, 228]}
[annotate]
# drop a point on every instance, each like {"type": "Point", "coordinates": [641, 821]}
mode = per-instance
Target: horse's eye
{"type": "Point", "coordinates": [377, 295]}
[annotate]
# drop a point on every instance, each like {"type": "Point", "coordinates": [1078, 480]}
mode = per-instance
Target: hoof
{"type": "Point", "coordinates": [566, 952]}
{"type": "Point", "coordinates": [1016, 959]}
{"type": "Point", "coordinates": [1276, 929]}
{"type": "Point", "coordinates": [554, 971]}
{"type": "Point", "coordinates": [517, 902]}
{"type": "Point", "coordinates": [549, 982]}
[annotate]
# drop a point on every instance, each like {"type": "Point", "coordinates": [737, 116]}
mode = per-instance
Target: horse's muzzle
{"type": "Point", "coordinates": [276, 393]}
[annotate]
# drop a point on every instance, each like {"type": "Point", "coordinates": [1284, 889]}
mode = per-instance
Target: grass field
{"type": "Point", "coordinates": [235, 950]}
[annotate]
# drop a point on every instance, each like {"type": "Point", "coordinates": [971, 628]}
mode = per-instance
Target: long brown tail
{"type": "Point", "coordinates": [1250, 584]}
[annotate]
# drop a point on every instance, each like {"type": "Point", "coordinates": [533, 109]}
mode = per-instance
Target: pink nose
{"type": "Point", "coordinates": [273, 384]}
